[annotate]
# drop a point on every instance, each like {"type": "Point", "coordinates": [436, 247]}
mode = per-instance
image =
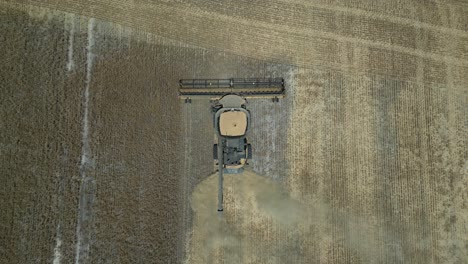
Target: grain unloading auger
{"type": "Point", "coordinates": [231, 117]}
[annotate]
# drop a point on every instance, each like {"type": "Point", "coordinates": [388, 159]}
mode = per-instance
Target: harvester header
{"type": "Point", "coordinates": [216, 88]}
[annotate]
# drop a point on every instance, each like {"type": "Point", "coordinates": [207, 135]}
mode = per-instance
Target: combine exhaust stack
{"type": "Point", "coordinates": [216, 88]}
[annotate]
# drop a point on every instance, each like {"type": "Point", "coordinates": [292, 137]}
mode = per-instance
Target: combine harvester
{"type": "Point", "coordinates": [231, 117]}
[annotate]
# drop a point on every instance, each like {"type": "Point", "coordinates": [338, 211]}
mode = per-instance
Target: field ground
{"type": "Point", "coordinates": [364, 161]}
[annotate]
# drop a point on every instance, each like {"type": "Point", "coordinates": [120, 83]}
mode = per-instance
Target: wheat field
{"type": "Point", "coordinates": [364, 161]}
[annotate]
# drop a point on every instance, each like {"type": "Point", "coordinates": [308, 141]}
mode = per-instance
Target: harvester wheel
{"type": "Point", "coordinates": [215, 151]}
{"type": "Point", "coordinates": [249, 151]}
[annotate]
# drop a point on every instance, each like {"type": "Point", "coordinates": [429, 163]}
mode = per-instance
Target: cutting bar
{"type": "Point", "coordinates": [216, 88]}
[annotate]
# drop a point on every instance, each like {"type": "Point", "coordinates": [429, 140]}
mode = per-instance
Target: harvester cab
{"type": "Point", "coordinates": [231, 118]}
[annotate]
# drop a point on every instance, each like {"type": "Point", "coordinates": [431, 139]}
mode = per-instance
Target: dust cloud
{"type": "Point", "coordinates": [262, 223]}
